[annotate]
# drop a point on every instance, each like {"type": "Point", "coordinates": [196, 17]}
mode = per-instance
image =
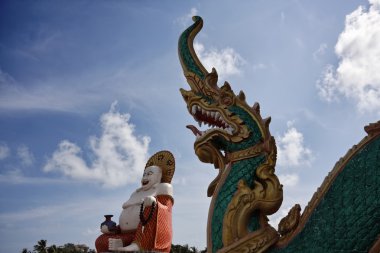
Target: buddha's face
{"type": "Point", "coordinates": [152, 175]}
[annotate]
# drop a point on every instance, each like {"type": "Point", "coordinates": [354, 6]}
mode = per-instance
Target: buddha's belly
{"type": "Point", "coordinates": [130, 218]}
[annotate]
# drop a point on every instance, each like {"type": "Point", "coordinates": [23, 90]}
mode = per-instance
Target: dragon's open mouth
{"type": "Point", "coordinates": [212, 118]}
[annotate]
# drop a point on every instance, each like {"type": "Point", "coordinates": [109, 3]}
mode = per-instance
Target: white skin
{"type": "Point", "coordinates": [129, 217]}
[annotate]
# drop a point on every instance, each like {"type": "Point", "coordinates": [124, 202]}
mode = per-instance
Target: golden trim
{"type": "Point", "coordinates": [256, 242]}
{"type": "Point", "coordinates": [373, 128]}
{"type": "Point", "coordinates": [249, 152]}
{"type": "Point", "coordinates": [290, 222]}
{"type": "Point", "coordinates": [266, 197]}
{"type": "Point", "coordinates": [329, 180]}
{"type": "Point", "coordinates": [190, 41]}
{"type": "Point", "coordinates": [376, 246]}
{"type": "Point", "coordinates": [165, 160]}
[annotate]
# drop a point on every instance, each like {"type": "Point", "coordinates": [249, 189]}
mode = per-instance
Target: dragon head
{"type": "Point", "coordinates": [232, 125]}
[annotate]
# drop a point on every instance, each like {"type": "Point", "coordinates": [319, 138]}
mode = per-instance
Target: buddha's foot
{"type": "Point", "coordinates": [132, 247]}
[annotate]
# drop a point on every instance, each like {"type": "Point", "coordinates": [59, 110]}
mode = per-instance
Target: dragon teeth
{"type": "Point", "coordinates": [214, 115]}
{"type": "Point", "coordinates": [193, 109]}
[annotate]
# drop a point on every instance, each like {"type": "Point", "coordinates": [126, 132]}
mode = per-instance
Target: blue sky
{"type": "Point", "coordinates": [90, 89]}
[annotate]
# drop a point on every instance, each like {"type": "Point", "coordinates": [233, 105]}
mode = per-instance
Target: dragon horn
{"type": "Point", "coordinates": [189, 59]}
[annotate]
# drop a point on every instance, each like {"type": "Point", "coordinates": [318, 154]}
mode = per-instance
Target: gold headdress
{"type": "Point", "coordinates": [165, 160]}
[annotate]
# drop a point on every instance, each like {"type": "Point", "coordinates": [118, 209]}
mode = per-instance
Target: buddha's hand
{"type": "Point", "coordinates": [115, 244]}
{"type": "Point", "coordinates": [149, 200]}
{"type": "Point", "coordinates": [104, 229]}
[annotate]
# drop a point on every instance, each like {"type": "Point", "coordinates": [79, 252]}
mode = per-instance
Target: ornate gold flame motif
{"type": "Point", "coordinates": [246, 190]}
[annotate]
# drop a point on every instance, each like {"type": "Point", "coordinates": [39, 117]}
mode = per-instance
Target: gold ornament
{"type": "Point", "coordinates": [165, 160]}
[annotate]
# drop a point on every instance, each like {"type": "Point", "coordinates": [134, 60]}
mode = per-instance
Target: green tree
{"type": "Point", "coordinates": [52, 249]}
{"type": "Point", "coordinates": [176, 248]}
{"type": "Point", "coordinates": [25, 250]}
{"type": "Point", "coordinates": [41, 246]}
{"type": "Point", "coordinates": [183, 249]}
{"type": "Point", "coordinates": [204, 251]}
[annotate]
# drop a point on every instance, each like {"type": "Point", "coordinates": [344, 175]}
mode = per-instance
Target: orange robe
{"type": "Point", "coordinates": [157, 234]}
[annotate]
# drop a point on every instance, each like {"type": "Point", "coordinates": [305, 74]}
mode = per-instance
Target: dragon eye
{"type": "Point", "coordinates": [226, 99]}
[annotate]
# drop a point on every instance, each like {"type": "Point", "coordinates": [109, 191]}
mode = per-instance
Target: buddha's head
{"type": "Point", "coordinates": [152, 175]}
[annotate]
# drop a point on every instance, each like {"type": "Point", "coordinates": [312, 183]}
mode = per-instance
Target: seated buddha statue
{"type": "Point", "coordinates": [145, 222]}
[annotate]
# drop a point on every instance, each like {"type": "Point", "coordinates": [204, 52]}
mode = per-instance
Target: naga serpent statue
{"type": "Point", "coordinates": [342, 216]}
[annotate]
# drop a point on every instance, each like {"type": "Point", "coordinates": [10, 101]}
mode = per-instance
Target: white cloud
{"type": "Point", "coordinates": [375, 3]}
{"type": "Point", "coordinates": [186, 19]}
{"type": "Point", "coordinates": [16, 176]}
{"type": "Point", "coordinates": [320, 51]}
{"type": "Point", "coordinates": [118, 155]}
{"type": "Point", "coordinates": [73, 94]}
{"type": "Point", "coordinates": [259, 66]}
{"type": "Point", "coordinates": [52, 211]}
{"type": "Point", "coordinates": [291, 154]}
{"type": "Point", "coordinates": [288, 179]}
{"type": "Point", "coordinates": [226, 61]}
{"type": "Point", "coordinates": [16, 173]}
{"type": "Point", "coordinates": [26, 156]}
{"type": "Point", "coordinates": [291, 151]}
{"type": "Point", "coordinates": [46, 96]}
{"type": "Point", "coordinates": [193, 12]}
{"type": "Point", "coordinates": [328, 86]}
{"type": "Point", "coordinates": [4, 151]}
{"type": "Point", "coordinates": [357, 76]}
{"type": "Point", "coordinates": [5, 80]}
